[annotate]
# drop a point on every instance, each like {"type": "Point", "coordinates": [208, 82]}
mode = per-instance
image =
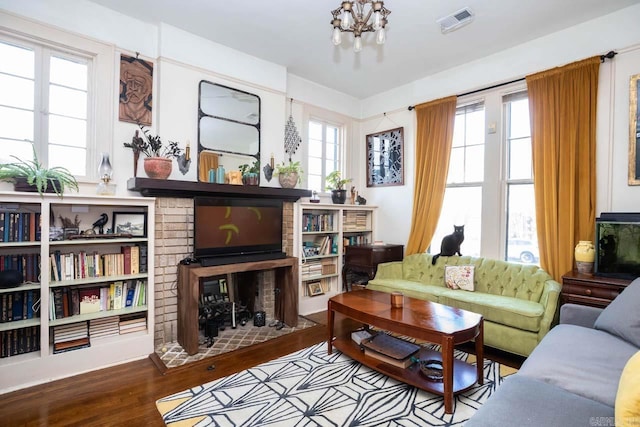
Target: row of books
{"type": "Point", "coordinates": [27, 264]}
{"type": "Point", "coordinates": [354, 221]}
{"type": "Point", "coordinates": [71, 337]}
{"type": "Point", "coordinates": [19, 305]}
{"type": "Point", "coordinates": [318, 267]}
{"type": "Point", "coordinates": [317, 222]}
{"type": "Point", "coordinates": [81, 265]}
{"type": "Point", "coordinates": [19, 341]}
{"type": "Point", "coordinates": [19, 226]}
{"type": "Point", "coordinates": [355, 240]}
{"type": "Point", "coordinates": [71, 301]}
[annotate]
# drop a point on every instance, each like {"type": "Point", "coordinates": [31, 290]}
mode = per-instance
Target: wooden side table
{"type": "Point", "coordinates": [365, 259]}
{"type": "Point", "coordinates": [588, 289]}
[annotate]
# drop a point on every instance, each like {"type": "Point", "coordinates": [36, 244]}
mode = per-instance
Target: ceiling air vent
{"type": "Point", "coordinates": [455, 20]}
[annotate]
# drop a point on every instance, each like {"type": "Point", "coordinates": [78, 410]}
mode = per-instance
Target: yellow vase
{"type": "Point", "coordinates": [585, 251]}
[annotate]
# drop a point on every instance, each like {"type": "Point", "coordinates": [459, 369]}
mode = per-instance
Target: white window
{"type": "Point", "coordinates": [463, 197]}
{"type": "Point", "coordinates": [490, 181]}
{"type": "Point", "coordinates": [56, 95]}
{"type": "Point", "coordinates": [324, 153]}
{"type": "Point", "coordinates": [522, 240]}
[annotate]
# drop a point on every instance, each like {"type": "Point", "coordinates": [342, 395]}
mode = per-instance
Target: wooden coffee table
{"type": "Point", "coordinates": [424, 320]}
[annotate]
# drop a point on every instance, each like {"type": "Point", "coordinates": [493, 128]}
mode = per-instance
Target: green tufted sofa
{"type": "Point", "coordinates": [518, 302]}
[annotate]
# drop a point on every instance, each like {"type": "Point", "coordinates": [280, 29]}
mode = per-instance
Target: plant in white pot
{"type": "Point", "coordinates": [158, 161]}
{"type": "Point", "coordinates": [289, 174]}
{"type": "Point", "coordinates": [336, 183]}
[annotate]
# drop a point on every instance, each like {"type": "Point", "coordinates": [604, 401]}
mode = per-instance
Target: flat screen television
{"type": "Point", "coordinates": [237, 230]}
{"type": "Point", "coordinates": [618, 245]}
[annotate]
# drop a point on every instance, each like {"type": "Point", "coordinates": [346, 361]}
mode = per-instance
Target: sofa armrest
{"type": "Point", "coordinates": [549, 299]}
{"type": "Point", "coordinates": [389, 270]}
{"type": "Point", "coordinates": [580, 315]}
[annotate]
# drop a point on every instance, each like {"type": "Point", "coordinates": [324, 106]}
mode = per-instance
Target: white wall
{"type": "Point", "coordinates": [617, 31]}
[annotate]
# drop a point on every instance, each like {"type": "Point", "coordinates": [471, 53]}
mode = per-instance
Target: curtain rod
{"type": "Point", "coordinates": [608, 55]}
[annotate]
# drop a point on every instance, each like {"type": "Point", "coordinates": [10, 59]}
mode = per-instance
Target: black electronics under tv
{"type": "Point", "coordinates": [229, 231]}
{"type": "Point", "coordinates": [618, 245]}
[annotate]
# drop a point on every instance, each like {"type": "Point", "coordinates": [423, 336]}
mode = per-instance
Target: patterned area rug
{"type": "Point", "coordinates": [311, 388]}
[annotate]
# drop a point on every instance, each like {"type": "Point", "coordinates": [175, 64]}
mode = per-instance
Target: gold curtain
{"type": "Point", "coordinates": [434, 136]}
{"type": "Point", "coordinates": [562, 108]}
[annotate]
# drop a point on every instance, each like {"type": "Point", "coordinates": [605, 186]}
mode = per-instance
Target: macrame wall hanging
{"type": "Point", "coordinates": [292, 139]}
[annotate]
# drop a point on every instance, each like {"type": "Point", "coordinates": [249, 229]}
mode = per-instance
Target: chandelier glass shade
{"type": "Point", "coordinates": [357, 17]}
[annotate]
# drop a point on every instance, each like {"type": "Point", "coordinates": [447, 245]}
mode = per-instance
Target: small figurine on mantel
{"type": "Point", "coordinates": [354, 194]}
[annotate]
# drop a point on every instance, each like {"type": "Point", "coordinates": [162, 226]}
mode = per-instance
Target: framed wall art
{"type": "Point", "coordinates": [634, 131]}
{"type": "Point", "coordinates": [385, 158]}
{"type": "Point", "coordinates": [134, 223]}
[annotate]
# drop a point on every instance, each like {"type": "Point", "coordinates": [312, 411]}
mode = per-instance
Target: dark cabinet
{"type": "Point", "coordinates": [364, 259]}
{"type": "Point", "coordinates": [588, 289]}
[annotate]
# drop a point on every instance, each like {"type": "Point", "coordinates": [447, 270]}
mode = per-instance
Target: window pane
{"type": "Point", "coordinates": [456, 166]}
{"type": "Point", "coordinates": [16, 124]}
{"type": "Point", "coordinates": [315, 131]}
{"type": "Point", "coordinates": [475, 127]}
{"type": "Point", "coordinates": [71, 158]}
{"type": "Point", "coordinates": [315, 148]}
{"type": "Point", "coordinates": [16, 92]}
{"type": "Point", "coordinates": [67, 102]}
{"type": "Point", "coordinates": [315, 182]}
{"type": "Point", "coordinates": [68, 73]}
{"type": "Point", "coordinates": [332, 134]}
{"type": "Point", "coordinates": [520, 162]}
{"type": "Point", "coordinates": [461, 206]}
{"type": "Point", "coordinates": [458, 131]}
{"type": "Point", "coordinates": [474, 164]}
{"type": "Point", "coordinates": [331, 151]}
{"type": "Point", "coordinates": [67, 131]}
{"type": "Point", "coordinates": [16, 60]}
{"type": "Point", "coordinates": [522, 244]}
{"type": "Point", "coordinates": [21, 149]}
{"type": "Point", "coordinates": [519, 119]}
{"type": "Point", "coordinates": [315, 165]}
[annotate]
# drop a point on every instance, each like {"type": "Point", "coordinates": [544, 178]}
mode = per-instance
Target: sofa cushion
{"type": "Point", "coordinates": [581, 360]}
{"type": "Point", "coordinates": [510, 311]}
{"type": "Point", "coordinates": [459, 277]}
{"type": "Point", "coordinates": [628, 397]}
{"type": "Point", "coordinates": [622, 317]}
{"type": "Point", "coordinates": [509, 279]}
{"type": "Point", "coordinates": [526, 402]}
{"type": "Point", "coordinates": [408, 288]}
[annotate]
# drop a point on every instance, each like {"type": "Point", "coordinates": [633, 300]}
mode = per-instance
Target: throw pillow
{"type": "Point", "coordinates": [627, 409]}
{"type": "Point", "coordinates": [622, 317]}
{"type": "Point", "coordinates": [459, 277]}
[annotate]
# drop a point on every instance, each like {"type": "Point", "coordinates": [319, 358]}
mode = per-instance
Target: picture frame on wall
{"type": "Point", "coordinates": [133, 223]}
{"type": "Point", "coordinates": [385, 158]}
{"type": "Point", "coordinates": [634, 130]}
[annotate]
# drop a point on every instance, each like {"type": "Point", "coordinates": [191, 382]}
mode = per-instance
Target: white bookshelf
{"type": "Point", "coordinates": [348, 223]}
{"type": "Point", "coordinates": [35, 367]}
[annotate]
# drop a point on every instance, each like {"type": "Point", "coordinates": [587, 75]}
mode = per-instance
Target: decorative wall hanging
{"type": "Point", "coordinates": [634, 131]}
{"type": "Point", "coordinates": [385, 151]}
{"type": "Point", "coordinates": [136, 85]}
{"type": "Point", "coordinates": [292, 139]}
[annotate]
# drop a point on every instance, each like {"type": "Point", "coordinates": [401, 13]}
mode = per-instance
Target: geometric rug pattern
{"type": "Point", "coordinates": [311, 388]}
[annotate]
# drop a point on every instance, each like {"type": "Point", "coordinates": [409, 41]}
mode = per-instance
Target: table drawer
{"type": "Point", "coordinates": [605, 292]}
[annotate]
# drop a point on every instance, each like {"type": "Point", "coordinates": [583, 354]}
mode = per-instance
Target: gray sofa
{"type": "Point", "coordinates": [571, 378]}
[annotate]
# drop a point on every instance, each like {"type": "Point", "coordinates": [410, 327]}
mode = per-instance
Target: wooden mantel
{"type": "Point", "coordinates": [188, 189]}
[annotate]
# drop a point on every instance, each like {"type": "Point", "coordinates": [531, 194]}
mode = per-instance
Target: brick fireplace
{"type": "Point", "coordinates": [174, 242]}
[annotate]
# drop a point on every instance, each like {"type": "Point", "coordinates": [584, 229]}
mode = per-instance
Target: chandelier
{"type": "Point", "coordinates": [357, 17]}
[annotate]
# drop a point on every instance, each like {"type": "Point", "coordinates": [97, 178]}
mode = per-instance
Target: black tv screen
{"type": "Point", "coordinates": [618, 245]}
{"type": "Point", "coordinates": [231, 227]}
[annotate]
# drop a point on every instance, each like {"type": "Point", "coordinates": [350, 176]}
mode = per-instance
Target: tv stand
{"type": "Point", "coordinates": [235, 259]}
{"type": "Point", "coordinates": [189, 275]}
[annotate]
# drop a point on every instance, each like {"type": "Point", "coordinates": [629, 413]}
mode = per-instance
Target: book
{"type": "Point", "coordinates": [89, 300]}
{"type": "Point", "coordinates": [126, 251]}
{"type": "Point", "coordinates": [391, 350]}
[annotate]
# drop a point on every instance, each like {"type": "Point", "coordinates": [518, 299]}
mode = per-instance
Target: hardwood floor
{"type": "Point", "coordinates": [126, 394]}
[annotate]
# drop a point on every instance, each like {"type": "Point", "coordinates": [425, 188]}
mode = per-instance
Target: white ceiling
{"type": "Point", "coordinates": [297, 34]}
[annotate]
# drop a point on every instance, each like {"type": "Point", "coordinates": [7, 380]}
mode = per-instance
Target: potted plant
{"type": "Point", "coordinates": [250, 174]}
{"type": "Point", "coordinates": [335, 183]}
{"type": "Point", "coordinates": [289, 174]}
{"type": "Point", "coordinates": [157, 163]}
{"type": "Point", "coordinates": [32, 176]}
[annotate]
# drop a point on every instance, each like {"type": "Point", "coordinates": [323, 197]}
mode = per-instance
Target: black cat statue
{"type": "Point", "coordinates": [450, 243]}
